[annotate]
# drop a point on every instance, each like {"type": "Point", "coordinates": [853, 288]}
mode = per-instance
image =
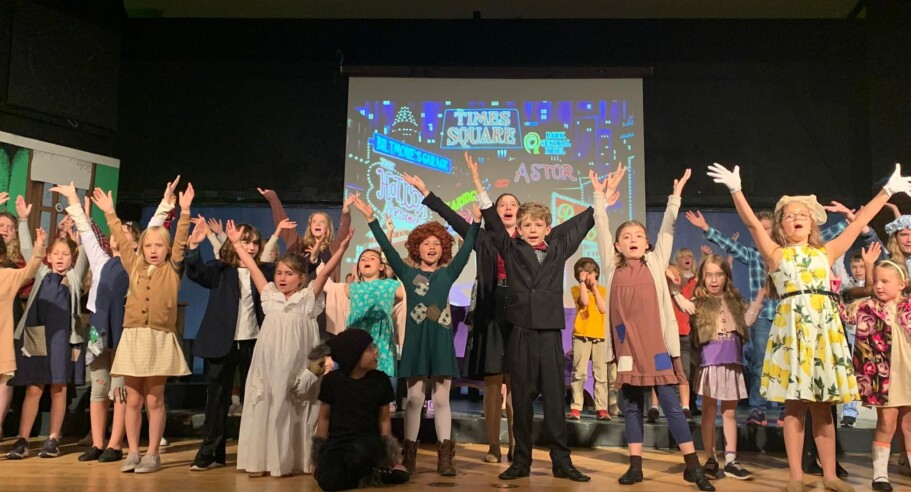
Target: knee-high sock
{"type": "Point", "coordinates": [881, 452]}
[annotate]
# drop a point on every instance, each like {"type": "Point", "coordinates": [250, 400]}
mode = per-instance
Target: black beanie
{"type": "Point", "coordinates": [347, 348]}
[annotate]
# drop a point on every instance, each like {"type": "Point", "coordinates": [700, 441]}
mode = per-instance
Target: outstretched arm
{"type": "Point", "coordinates": [317, 285]}
{"type": "Point", "coordinates": [770, 251]}
{"type": "Point", "coordinates": [256, 275]}
{"type": "Point", "coordinates": [839, 246]}
{"type": "Point", "coordinates": [664, 243]}
{"type": "Point", "coordinates": [289, 236]}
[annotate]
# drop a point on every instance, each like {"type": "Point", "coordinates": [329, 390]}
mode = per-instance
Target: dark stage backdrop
{"type": "Point", "coordinates": [234, 104]}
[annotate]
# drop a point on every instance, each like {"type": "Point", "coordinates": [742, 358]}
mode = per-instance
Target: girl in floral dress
{"type": "Point", "coordinates": [882, 352]}
{"type": "Point", "coordinates": [807, 362]}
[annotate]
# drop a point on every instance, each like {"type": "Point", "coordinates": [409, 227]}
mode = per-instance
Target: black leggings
{"type": "Point", "coordinates": [343, 463]}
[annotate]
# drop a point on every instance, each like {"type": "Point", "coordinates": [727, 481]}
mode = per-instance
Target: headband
{"type": "Point", "coordinates": [899, 224]}
{"type": "Point", "coordinates": [901, 271]}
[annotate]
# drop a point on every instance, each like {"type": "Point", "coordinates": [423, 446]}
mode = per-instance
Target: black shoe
{"type": "Point", "coordinates": [735, 470]}
{"type": "Point", "coordinates": [711, 468]}
{"type": "Point", "coordinates": [810, 465]}
{"type": "Point", "coordinates": [515, 471]}
{"type": "Point", "coordinates": [50, 449]}
{"type": "Point", "coordinates": [652, 416]}
{"type": "Point", "coordinates": [92, 454]}
{"type": "Point", "coordinates": [19, 451]}
{"type": "Point", "coordinates": [697, 476]}
{"type": "Point", "coordinates": [848, 422]}
{"type": "Point", "coordinates": [571, 473]}
{"type": "Point", "coordinates": [203, 463]}
{"type": "Point", "coordinates": [882, 485]}
{"type": "Point", "coordinates": [840, 472]}
{"type": "Point", "coordinates": [394, 476]}
{"type": "Point", "coordinates": [110, 455]}
{"type": "Point", "coordinates": [632, 475]}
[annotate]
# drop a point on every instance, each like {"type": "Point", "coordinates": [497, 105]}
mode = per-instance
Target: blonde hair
{"type": "Point", "coordinates": [897, 268]}
{"type": "Point", "coordinates": [708, 306]}
{"type": "Point", "coordinates": [13, 249]}
{"type": "Point", "coordinates": [534, 210]}
{"type": "Point", "coordinates": [619, 259]}
{"type": "Point", "coordinates": [310, 240]}
{"type": "Point", "coordinates": [895, 251]}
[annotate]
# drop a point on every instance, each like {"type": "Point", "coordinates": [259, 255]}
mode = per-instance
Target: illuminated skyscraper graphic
{"type": "Point", "coordinates": [405, 127]}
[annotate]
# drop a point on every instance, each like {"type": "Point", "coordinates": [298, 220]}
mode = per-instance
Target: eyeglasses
{"type": "Point", "coordinates": [718, 275]}
{"type": "Point", "coordinates": [799, 215]}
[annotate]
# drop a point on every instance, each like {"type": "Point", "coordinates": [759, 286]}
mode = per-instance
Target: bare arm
{"type": "Point", "coordinates": [317, 285]}
{"type": "Point", "coordinates": [322, 422]}
{"type": "Point", "coordinates": [234, 235]}
{"type": "Point", "coordinates": [599, 299]}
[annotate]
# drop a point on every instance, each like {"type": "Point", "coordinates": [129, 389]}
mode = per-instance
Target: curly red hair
{"type": "Point", "coordinates": [422, 232]}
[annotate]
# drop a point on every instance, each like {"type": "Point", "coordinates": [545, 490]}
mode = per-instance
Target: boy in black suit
{"type": "Point", "coordinates": [534, 264]}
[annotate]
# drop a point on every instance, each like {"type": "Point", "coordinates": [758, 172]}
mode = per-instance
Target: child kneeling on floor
{"type": "Point", "coordinates": [353, 445]}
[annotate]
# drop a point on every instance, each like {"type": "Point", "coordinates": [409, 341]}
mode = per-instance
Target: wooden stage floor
{"type": "Point", "coordinates": [663, 471]}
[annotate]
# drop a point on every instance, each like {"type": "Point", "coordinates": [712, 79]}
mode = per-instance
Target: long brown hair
{"type": "Point", "coordinates": [708, 306]}
{"type": "Point", "coordinates": [13, 249]}
{"type": "Point", "coordinates": [228, 253]}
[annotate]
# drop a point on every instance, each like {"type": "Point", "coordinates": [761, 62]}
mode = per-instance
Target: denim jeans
{"type": "Point", "coordinates": [759, 334]}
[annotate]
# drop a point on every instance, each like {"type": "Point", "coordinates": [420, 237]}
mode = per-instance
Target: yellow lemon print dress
{"type": "Point", "coordinates": [807, 356]}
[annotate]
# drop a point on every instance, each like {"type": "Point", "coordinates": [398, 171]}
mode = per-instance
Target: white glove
{"type": "Point", "coordinates": [897, 182]}
{"type": "Point", "coordinates": [731, 179]}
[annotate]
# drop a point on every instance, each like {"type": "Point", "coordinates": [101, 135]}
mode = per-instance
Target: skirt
{"type": "Point", "coordinates": [145, 352]}
{"type": "Point", "coordinates": [722, 382]}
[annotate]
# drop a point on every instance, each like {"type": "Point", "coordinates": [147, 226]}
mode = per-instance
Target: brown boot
{"type": "Point", "coordinates": [445, 454]}
{"type": "Point", "coordinates": [409, 455]}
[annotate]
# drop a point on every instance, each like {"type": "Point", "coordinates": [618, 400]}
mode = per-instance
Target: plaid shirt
{"type": "Point", "coordinates": [750, 257]}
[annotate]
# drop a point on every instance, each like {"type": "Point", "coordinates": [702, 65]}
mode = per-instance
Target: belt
{"type": "Point", "coordinates": [821, 292]}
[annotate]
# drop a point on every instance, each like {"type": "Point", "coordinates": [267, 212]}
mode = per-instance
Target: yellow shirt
{"type": "Point", "coordinates": [589, 320]}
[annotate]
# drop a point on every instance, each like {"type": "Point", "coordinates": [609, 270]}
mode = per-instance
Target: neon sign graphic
{"type": "Point", "coordinates": [554, 143]}
{"type": "Point", "coordinates": [466, 129]}
{"type": "Point", "coordinates": [402, 151]}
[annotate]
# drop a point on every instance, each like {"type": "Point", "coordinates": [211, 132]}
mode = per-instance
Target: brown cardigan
{"type": "Point", "coordinates": [152, 298]}
{"type": "Point", "coordinates": [11, 279]}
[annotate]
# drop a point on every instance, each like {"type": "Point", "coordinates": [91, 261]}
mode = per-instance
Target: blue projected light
{"type": "Point", "coordinates": [400, 150]}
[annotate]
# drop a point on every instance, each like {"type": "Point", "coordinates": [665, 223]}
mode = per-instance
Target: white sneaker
{"type": "Point", "coordinates": [131, 462]}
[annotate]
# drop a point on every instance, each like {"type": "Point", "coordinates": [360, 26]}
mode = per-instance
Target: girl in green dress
{"type": "Point", "coordinates": [428, 351]}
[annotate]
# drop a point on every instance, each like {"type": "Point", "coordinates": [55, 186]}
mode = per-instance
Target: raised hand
{"type": "Point", "coordinates": [169, 190]}
{"type": "Point", "coordinates": [611, 200]}
{"type": "Point", "coordinates": [680, 183]}
{"type": "Point", "coordinates": [473, 168]}
{"type": "Point", "coordinates": [22, 208]}
{"type": "Point", "coordinates": [614, 179]}
{"type": "Point", "coordinates": [346, 206]}
{"type": "Point", "coordinates": [476, 213]}
{"type": "Point", "coordinates": [104, 201]}
{"type": "Point", "coordinates": [597, 185]}
{"type": "Point", "coordinates": [695, 217]}
{"type": "Point", "coordinates": [234, 234]}
{"type": "Point", "coordinates": [186, 198]}
{"type": "Point", "coordinates": [365, 209]}
{"type": "Point", "coordinates": [706, 250]}
{"type": "Point", "coordinates": [735, 236]}
{"type": "Point", "coordinates": [87, 206]}
{"type": "Point", "coordinates": [200, 230]}
{"type": "Point", "coordinates": [731, 179]}
{"type": "Point", "coordinates": [417, 182]}
{"type": "Point", "coordinates": [215, 225]}
{"type": "Point", "coordinates": [838, 208]}
{"type": "Point", "coordinates": [871, 254]}
{"type": "Point", "coordinates": [266, 193]}
{"type": "Point", "coordinates": [897, 182]}
{"type": "Point", "coordinates": [4, 197]}
{"type": "Point", "coordinates": [68, 191]}
{"type": "Point", "coordinates": [285, 224]}
{"type": "Point", "coordinates": [314, 250]}
{"type": "Point", "coordinates": [891, 206]}
{"type": "Point", "coordinates": [39, 248]}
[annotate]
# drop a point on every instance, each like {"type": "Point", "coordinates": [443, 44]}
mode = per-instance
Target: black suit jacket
{"type": "Point", "coordinates": [219, 324]}
{"type": "Point", "coordinates": [536, 290]}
